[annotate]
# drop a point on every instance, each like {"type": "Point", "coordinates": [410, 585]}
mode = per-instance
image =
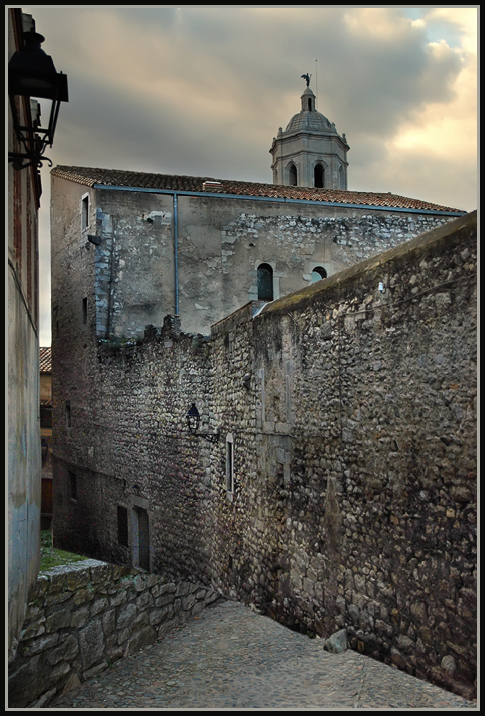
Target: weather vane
{"type": "Point", "coordinates": [307, 78]}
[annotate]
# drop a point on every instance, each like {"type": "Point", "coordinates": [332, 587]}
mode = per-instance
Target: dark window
{"type": "Point", "coordinates": [122, 526]}
{"type": "Point", "coordinates": [85, 310]}
{"type": "Point", "coordinates": [309, 104]}
{"type": "Point", "coordinates": [265, 282]}
{"type": "Point", "coordinates": [72, 485]}
{"type": "Point", "coordinates": [143, 538]}
{"type": "Point", "coordinates": [85, 213]}
{"type": "Point", "coordinates": [68, 413]}
{"type": "Point", "coordinates": [229, 465]}
{"type": "Point", "coordinates": [319, 176]}
{"type": "Point", "coordinates": [45, 417]}
{"type": "Point", "coordinates": [318, 273]}
{"type": "Point", "coordinates": [293, 176]}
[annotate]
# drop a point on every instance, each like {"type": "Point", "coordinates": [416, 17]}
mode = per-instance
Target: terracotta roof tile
{"type": "Point", "coordinates": [117, 177]}
{"type": "Point", "coordinates": [45, 360]}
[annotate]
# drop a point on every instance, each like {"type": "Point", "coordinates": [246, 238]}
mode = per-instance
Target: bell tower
{"type": "Point", "coordinates": [310, 152]}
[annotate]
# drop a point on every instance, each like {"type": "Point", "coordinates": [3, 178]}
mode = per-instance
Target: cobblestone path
{"type": "Point", "coordinates": [231, 658]}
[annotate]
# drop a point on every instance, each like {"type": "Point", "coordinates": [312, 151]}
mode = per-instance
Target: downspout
{"type": "Point", "coordinates": [176, 252]}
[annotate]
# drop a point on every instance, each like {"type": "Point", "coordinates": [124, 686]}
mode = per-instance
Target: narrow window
{"type": "Point", "coordinates": [318, 273]}
{"type": "Point", "coordinates": [122, 526]}
{"type": "Point", "coordinates": [85, 212]}
{"type": "Point", "coordinates": [293, 175]}
{"type": "Point", "coordinates": [318, 173]}
{"type": "Point", "coordinates": [85, 311]}
{"type": "Point", "coordinates": [265, 282]}
{"type": "Point", "coordinates": [72, 485]}
{"type": "Point", "coordinates": [68, 413]}
{"type": "Point", "coordinates": [229, 464]}
{"type": "Point", "coordinates": [142, 558]}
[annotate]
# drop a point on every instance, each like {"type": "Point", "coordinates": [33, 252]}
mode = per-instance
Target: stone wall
{"type": "Point", "coordinates": [342, 490]}
{"type": "Point", "coordinates": [84, 617]}
{"type": "Point", "coordinates": [355, 457]}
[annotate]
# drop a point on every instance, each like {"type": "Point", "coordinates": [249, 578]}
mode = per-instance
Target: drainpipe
{"type": "Point", "coordinates": [176, 252]}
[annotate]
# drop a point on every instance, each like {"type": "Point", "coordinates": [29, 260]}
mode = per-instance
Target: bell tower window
{"type": "Point", "coordinates": [293, 175]}
{"type": "Point", "coordinates": [318, 175]}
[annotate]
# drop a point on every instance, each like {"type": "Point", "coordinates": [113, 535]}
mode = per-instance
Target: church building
{"type": "Point", "coordinates": [129, 248]}
{"type": "Point", "coordinates": [270, 389]}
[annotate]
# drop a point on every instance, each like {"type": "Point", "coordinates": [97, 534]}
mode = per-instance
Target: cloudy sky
{"type": "Point", "coordinates": [202, 91]}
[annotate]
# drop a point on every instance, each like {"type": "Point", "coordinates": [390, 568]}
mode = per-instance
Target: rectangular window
{"type": "Point", "coordinates": [72, 485]}
{"type": "Point", "coordinates": [85, 311]}
{"type": "Point", "coordinates": [229, 464]}
{"type": "Point", "coordinates": [122, 526]}
{"type": "Point", "coordinates": [68, 413]}
{"type": "Point", "coordinates": [85, 212]}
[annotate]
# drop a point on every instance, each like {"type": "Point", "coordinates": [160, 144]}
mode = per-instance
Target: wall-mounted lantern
{"type": "Point", "coordinates": [31, 73]}
{"type": "Point", "coordinates": [193, 421]}
{"type": "Point", "coordinates": [381, 287]}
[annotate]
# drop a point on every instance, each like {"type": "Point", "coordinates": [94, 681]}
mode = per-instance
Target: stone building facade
{"type": "Point", "coordinates": [341, 489]}
{"type": "Point", "coordinates": [24, 456]}
{"type": "Point", "coordinates": [130, 248]}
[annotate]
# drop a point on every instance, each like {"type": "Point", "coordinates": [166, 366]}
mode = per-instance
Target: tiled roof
{"type": "Point", "coordinates": [117, 177]}
{"type": "Point", "coordinates": [45, 361]}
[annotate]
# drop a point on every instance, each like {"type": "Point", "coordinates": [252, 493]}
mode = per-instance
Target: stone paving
{"type": "Point", "coordinates": [232, 658]}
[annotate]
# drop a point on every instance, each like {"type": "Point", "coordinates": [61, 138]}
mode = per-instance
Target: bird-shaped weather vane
{"type": "Point", "coordinates": [307, 78]}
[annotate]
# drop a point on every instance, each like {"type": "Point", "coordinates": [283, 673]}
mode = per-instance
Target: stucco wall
{"type": "Point", "coordinates": [352, 419]}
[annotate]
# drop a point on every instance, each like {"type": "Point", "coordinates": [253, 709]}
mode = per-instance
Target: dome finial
{"type": "Point", "coordinates": [307, 78]}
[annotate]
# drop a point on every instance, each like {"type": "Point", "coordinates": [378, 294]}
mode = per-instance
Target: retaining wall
{"type": "Point", "coordinates": [84, 617]}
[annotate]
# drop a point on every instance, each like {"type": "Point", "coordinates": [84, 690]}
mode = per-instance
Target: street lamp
{"type": "Point", "coordinates": [31, 73]}
{"type": "Point", "coordinates": [193, 421]}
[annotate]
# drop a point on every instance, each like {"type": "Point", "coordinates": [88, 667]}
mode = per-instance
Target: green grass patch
{"type": "Point", "coordinates": [51, 557]}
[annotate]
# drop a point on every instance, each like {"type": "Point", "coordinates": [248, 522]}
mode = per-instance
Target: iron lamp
{"type": "Point", "coordinates": [31, 73]}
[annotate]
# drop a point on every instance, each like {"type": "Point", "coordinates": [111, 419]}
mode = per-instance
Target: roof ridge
{"type": "Point", "coordinates": [185, 182]}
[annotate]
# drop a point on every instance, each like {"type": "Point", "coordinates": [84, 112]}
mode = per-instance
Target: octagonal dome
{"type": "Point", "coordinates": [309, 120]}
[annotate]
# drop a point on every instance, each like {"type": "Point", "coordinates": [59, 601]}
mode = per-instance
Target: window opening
{"type": "Point", "coordinates": [72, 485]}
{"type": "Point", "coordinates": [265, 282]}
{"type": "Point", "coordinates": [85, 212]}
{"type": "Point", "coordinates": [318, 273]}
{"type": "Point", "coordinates": [85, 311]}
{"type": "Point", "coordinates": [293, 175]}
{"type": "Point", "coordinates": [229, 464]}
{"type": "Point", "coordinates": [143, 538]}
{"type": "Point", "coordinates": [122, 526]}
{"type": "Point", "coordinates": [68, 413]}
{"type": "Point", "coordinates": [318, 175]}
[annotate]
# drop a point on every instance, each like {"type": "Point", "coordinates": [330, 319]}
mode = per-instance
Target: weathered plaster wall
{"type": "Point", "coordinates": [129, 279]}
{"type": "Point", "coordinates": [352, 420]}
{"type": "Point", "coordinates": [84, 617]}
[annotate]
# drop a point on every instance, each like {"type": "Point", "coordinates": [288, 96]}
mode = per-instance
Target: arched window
{"type": "Point", "coordinates": [293, 175]}
{"type": "Point", "coordinates": [265, 282]}
{"type": "Point", "coordinates": [318, 175]}
{"type": "Point", "coordinates": [318, 273]}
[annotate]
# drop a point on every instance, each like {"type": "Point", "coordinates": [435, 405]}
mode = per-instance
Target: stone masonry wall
{"type": "Point", "coordinates": [342, 490]}
{"type": "Point", "coordinates": [354, 503]}
{"type": "Point", "coordinates": [84, 617]}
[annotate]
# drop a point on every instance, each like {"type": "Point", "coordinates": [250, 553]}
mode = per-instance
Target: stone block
{"type": "Point", "coordinates": [91, 640]}
{"type": "Point", "coordinates": [140, 639]}
{"type": "Point", "coordinates": [66, 651]}
{"type": "Point", "coordinates": [26, 684]}
{"type": "Point", "coordinates": [126, 617]}
{"type": "Point", "coordinates": [58, 620]}
{"type": "Point", "coordinates": [77, 579]}
{"type": "Point", "coordinates": [337, 643]}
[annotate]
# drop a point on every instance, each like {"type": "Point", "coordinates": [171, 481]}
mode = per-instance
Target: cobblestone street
{"type": "Point", "coordinates": [231, 658]}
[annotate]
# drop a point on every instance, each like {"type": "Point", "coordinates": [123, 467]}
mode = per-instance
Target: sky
{"type": "Point", "coordinates": [202, 90]}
